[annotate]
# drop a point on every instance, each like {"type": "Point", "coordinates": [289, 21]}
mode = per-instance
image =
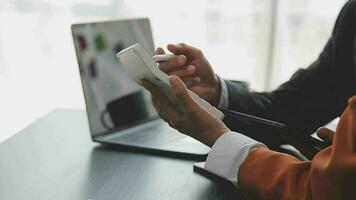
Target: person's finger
{"type": "Point", "coordinates": [184, 49]}
{"type": "Point", "coordinates": [164, 116]}
{"type": "Point", "coordinates": [184, 71]}
{"type": "Point", "coordinates": [191, 81]}
{"type": "Point", "coordinates": [159, 51]}
{"type": "Point", "coordinates": [156, 103]}
{"type": "Point", "coordinates": [139, 81]}
{"type": "Point", "coordinates": [182, 93]}
{"type": "Point", "coordinates": [150, 87]}
{"type": "Point", "coordinates": [173, 63]}
{"type": "Point", "coordinates": [166, 105]}
{"type": "Point", "coordinates": [157, 94]}
{"type": "Point", "coordinates": [325, 134]}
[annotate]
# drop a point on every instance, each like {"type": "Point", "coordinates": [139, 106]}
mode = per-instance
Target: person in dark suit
{"type": "Point", "coordinates": [311, 98]}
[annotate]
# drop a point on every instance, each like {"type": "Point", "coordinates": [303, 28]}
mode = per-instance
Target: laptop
{"type": "Point", "coordinates": [119, 110]}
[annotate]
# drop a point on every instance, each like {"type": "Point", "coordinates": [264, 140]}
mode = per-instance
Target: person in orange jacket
{"type": "Point", "coordinates": [263, 173]}
{"type": "Point", "coordinates": [310, 99]}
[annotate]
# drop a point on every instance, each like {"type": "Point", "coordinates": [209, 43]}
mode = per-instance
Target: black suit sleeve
{"type": "Point", "coordinates": [315, 95]}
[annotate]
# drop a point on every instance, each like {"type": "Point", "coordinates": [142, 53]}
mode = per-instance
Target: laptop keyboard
{"type": "Point", "coordinates": [153, 134]}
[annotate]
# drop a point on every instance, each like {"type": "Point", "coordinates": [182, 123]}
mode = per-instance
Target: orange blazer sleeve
{"type": "Point", "coordinates": [267, 174]}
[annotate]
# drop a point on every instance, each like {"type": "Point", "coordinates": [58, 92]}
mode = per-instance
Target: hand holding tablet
{"type": "Point", "coordinates": [140, 65]}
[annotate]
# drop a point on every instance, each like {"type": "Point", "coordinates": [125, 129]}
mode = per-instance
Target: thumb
{"type": "Point", "coordinates": [326, 134]}
{"type": "Point", "coordinates": [177, 49]}
{"type": "Point", "coordinates": [182, 93]}
{"type": "Point", "coordinates": [159, 51]}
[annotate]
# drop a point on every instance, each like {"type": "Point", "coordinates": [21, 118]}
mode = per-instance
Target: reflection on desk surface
{"type": "Point", "coordinates": [52, 160]}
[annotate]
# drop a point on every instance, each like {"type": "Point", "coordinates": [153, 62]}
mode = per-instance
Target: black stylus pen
{"type": "Point", "coordinates": [283, 130]}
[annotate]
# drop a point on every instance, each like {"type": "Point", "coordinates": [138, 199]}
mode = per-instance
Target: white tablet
{"type": "Point", "coordinates": [140, 65]}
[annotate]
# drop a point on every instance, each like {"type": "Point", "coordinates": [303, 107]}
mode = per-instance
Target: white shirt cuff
{"type": "Point", "coordinates": [224, 97]}
{"type": "Point", "coordinates": [228, 153]}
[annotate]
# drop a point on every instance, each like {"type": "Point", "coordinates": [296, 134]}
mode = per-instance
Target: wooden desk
{"type": "Point", "coordinates": [55, 159]}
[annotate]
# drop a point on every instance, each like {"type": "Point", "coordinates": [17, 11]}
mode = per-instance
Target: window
{"type": "Point", "coordinates": [302, 30]}
{"type": "Point", "coordinates": [38, 69]}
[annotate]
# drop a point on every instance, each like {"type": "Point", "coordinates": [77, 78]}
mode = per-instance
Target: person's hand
{"type": "Point", "coordinates": [326, 134]}
{"type": "Point", "coordinates": [195, 71]}
{"type": "Point", "coordinates": [185, 115]}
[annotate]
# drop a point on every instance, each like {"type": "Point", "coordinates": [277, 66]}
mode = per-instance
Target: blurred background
{"type": "Point", "coordinates": [259, 41]}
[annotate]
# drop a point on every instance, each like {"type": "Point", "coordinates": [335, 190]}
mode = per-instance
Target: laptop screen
{"type": "Point", "coordinates": [113, 100]}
